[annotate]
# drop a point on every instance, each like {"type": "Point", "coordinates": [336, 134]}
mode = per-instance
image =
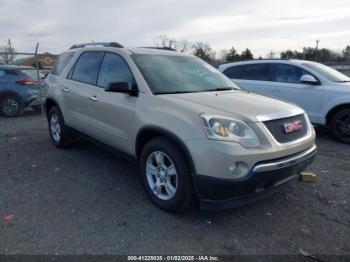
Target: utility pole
{"type": "Point", "coordinates": [316, 49]}
{"type": "Point", "coordinates": [10, 50]}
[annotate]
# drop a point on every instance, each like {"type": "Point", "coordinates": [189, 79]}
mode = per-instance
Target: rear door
{"type": "Point", "coordinates": [79, 92]}
{"type": "Point", "coordinates": [255, 78]}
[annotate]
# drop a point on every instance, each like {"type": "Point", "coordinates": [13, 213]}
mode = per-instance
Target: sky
{"type": "Point", "coordinates": [261, 25]}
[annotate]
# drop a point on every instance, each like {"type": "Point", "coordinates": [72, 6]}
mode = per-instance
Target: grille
{"type": "Point", "coordinates": [276, 128]}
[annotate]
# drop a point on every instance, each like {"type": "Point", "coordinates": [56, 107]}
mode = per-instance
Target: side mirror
{"type": "Point", "coordinates": [121, 87]}
{"type": "Point", "coordinates": [308, 79]}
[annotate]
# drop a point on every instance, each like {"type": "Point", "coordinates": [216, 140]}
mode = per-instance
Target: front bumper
{"type": "Point", "coordinates": [216, 193]}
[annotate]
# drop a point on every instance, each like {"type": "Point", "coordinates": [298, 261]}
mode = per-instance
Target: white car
{"type": "Point", "coordinates": [321, 91]}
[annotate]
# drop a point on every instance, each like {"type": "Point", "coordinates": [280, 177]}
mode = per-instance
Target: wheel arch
{"type": "Point", "coordinates": [147, 133]}
{"type": "Point", "coordinates": [335, 110]}
{"type": "Point", "coordinates": [49, 104]}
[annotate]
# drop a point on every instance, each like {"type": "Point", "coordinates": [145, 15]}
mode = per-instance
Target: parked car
{"type": "Point", "coordinates": [18, 90]}
{"type": "Point", "coordinates": [194, 134]}
{"type": "Point", "coordinates": [321, 91]}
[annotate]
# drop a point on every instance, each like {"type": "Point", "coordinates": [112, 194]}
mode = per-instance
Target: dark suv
{"type": "Point", "coordinates": [18, 90]}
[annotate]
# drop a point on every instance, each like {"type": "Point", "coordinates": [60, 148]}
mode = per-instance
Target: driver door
{"type": "Point", "coordinates": [287, 85]}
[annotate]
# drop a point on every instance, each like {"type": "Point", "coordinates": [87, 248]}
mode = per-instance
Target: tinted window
{"type": "Point", "coordinates": [114, 69]}
{"type": "Point", "coordinates": [289, 73]}
{"type": "Point", "coordinates": [62, 61]}
{"type": "Point", "coordinates": [87, 67]}
{"type": "Point", "coordinates": [234, 72]}
{"type": "Point", "coordinates": [2, 73]}
{"type": "Point", "coordinates": [256, 72]}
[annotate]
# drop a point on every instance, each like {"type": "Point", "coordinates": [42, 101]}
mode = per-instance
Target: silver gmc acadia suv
{"type": "Point", "coordinates": [195, 135]}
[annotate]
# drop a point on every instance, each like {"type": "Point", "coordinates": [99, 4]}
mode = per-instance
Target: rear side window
{"type": "Point", "coordinates": [256, 72]}
{"type": "Point", "coordinates": [62, 61]}
{"type": "Point", "coordinates": [234, 72]}
{"type": "Point", "coordinates": [114, 69]}
{"type": "Point", "coordinates": [87, 67]}
{"type": "Point", "coordinates": [289, 73]}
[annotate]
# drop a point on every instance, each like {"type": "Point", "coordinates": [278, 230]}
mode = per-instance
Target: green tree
{"type": "Point", "coordinates": [346, 54]}
{"type": "Point", "coordinates": [232, 55]}
{"type": "Point", "coordinates": [203, 51]}
{"type": "Point", "coordinates": [247, 54]}
{"type": "Point", "coordinates": [288, 54]}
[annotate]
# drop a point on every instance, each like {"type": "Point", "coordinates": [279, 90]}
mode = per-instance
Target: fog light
{"type": "Point", "coordinates": [239, 169]}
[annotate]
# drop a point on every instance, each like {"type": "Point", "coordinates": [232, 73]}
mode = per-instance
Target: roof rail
{"type": "Point", "coordinates": [109, 44]}
{"type": "Point", "coordinates": [161, 48]}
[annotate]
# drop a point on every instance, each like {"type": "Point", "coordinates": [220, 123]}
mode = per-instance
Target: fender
{"type": "Point", "coordinates": [169, 134]}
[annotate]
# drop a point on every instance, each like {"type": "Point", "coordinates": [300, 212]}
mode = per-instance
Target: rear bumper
{"type": "Point", "coordinates": [262, 181]}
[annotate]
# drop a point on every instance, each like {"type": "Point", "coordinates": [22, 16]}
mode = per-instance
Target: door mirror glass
{"type": "Point", "coordinates": [308, 79]}
{"type": "Point", "coordinates": [120, 87]}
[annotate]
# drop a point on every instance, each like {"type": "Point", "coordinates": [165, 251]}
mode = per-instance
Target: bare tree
{"type": "Point", "coordinates": [7, 53]}
{"type": "Point", "coordinates": [165, 41]}
{"type": "Point", "coordinates": [203, 51]}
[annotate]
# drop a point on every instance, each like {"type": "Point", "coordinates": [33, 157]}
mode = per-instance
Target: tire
{"type": "Point", "coordinates": [183, 196]}
{"type": "Point", "coordinates": [59, 133]}
{"type": "Point", "coordinates": [340, 126]}
{"type": "Point", "coordinates": [11, 105]}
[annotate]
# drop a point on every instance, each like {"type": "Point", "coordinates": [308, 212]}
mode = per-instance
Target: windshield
{"type": "Point", "coordinates": [328, 72]}
{"type": "Point", "coordinates": [180, 74]}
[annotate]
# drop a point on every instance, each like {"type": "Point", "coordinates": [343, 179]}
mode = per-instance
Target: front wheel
{"type": "Point", "coordinates": [340, 126]}
{"type": "Point", "coordinates": [166, 175]}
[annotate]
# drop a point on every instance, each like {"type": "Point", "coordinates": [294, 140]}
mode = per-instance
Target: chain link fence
{"type": "Point", "coordinates": [21, 87]}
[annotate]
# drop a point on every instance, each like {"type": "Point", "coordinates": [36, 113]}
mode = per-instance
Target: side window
{"type": "Point", "coordinates": [289, 73]}
{"type": "Point", "coordinates": [256, 72]}
{"type": "Point", "coordinates": [61, 62]}
{"type": "Point", "coordinates": [234, 72]}
{"type": "Point", "coordinates": [87, 67]}
{"type": "Point", "coordinates": [2, 73]}
{"type": "Point", "coordinates": [114, 69]}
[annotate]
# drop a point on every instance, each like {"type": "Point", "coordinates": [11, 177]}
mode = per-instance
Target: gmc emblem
{"type": "Point", "coordinates": [292, 126]}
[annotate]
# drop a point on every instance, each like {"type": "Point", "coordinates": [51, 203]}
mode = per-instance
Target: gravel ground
{"type": "Point", "coordinates": [86, 201]}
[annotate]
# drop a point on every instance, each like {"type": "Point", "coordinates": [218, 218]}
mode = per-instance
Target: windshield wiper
{"type": "Point", "coordinates": [343, 81]}
{"type": "Point", "coordinates": [172, 92]}
{"type": "Point", "coordinates": [219, 89]}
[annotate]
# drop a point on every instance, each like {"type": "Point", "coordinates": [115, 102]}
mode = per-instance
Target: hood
{"type": "Point", "coordinates": [237, 104]}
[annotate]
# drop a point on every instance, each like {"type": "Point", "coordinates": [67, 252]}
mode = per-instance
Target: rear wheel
{"type": "Point", "coordinates": [340, 126]}
{"type": "Point", "coordinates": [60, 135]}
{"type": "Point", "coordinates": [11, 106]}
{"type": "Point", "coordinates": [166, 175]}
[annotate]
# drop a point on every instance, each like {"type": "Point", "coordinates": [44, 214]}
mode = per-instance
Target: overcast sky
{"type": "Point", "coordinates": [261, 25]}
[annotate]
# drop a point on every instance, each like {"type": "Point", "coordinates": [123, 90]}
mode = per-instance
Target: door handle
{"type": "Point", "coordinates": [93, 98]}
{"type": "Point", "coordinates": [65, 89]}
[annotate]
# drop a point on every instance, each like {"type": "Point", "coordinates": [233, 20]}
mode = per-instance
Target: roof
{"type": "Point", "coordinates": [131, 50]}
{"type": "Point", "coordinates": [9, 67]}
{"type": "Point", "coordinates": [263, 61]}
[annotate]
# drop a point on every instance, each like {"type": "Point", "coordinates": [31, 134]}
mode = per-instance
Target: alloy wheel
{"type": "Point", "coordinates": [161, 175]}
{"type": "Point", "coordinates": [55, 127]}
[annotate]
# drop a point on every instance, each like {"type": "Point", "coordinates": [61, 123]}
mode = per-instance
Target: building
{"type": "Point", "coordinates": [46, 61]}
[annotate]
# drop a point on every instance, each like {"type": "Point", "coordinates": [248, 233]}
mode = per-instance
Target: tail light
{"type": "Point", "coordinates": [27, 81]}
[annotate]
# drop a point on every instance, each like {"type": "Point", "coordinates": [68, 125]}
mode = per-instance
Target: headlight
{"type": "Point", "coordinates": [228, 129]}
